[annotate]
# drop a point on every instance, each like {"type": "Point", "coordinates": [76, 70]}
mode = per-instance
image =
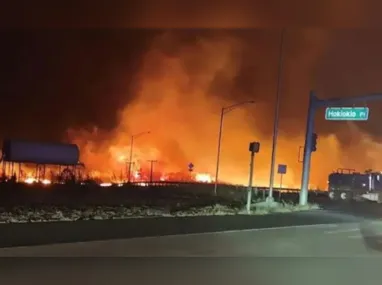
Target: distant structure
{"type": "Point", "coordinates": [41, 154]}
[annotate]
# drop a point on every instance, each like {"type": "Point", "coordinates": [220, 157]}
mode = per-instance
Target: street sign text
{"type": "Point", "coordinates": [347, 114]}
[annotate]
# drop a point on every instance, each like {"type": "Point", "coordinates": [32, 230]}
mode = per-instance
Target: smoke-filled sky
{"type": "Point", "coordinates": [96, 87]}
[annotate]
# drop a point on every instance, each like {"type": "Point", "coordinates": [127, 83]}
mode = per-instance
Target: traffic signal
{"type": "Point", "coordinates": [314, 142]}
{"type": "Point", "coordinates": [254, 147]}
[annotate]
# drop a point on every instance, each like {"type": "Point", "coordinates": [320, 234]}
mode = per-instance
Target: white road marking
{"type": "Point", "coordinates": [256, 230]}
{"type": "Point", "coordinates": [342, 231]}
{"type": "Point", "coordinates": [356, 237]}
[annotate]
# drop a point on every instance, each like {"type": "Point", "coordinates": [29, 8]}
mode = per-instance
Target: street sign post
{"type": "Point", "coordinates": [191, 169]}
{"type": "Point", "coordinates": [347, 114]}
{"type": "Point", "coordinates": [281, 169]}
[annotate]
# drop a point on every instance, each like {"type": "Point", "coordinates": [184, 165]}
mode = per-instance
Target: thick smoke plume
{"type": "Point", "coordinates": [181, 86]}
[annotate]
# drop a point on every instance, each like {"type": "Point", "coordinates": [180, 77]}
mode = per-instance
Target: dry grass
{"type": "Point", "coordinates": [283, 207]}
{"type": "Point", "coordinates": [47, 214]}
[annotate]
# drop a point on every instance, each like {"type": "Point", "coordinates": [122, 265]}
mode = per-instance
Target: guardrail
{"type": "Point", "coordinates": [170, 184]}
{"type": "Point", "coordinates": [241, 187]}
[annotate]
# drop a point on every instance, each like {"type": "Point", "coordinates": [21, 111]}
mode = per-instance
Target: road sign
{"type": "Point", "coordinates": [281, 169]}
{"type": "Point", "coordinates": [190, 167]}
{"type": "Point", "coordinates": [347, 114]}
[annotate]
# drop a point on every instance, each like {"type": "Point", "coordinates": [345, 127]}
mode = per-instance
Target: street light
{"type": "Point", "coordinates": [131, 152]}
{"type": "Point", "coordinates": [224, 111]}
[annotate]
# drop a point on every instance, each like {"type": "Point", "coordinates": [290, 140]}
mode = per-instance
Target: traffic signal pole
{"type": "Point", "coordinates": [254, 147]}
{"type": "Point", "coordinates": [249, 189]}
{"type": "Point", "coordinates": [307, 149]}
{"type": "Point", "coordinates": [314, 104]}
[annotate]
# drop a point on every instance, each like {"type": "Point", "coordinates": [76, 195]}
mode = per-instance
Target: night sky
{"type": "Point", "coordinates": [51, 79]}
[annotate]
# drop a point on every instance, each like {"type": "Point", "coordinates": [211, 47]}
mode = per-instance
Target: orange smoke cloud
{"type": "Point", "coordinates": [175, 101]}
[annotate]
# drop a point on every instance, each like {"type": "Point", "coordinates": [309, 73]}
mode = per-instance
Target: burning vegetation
{"type": "Point", "coordinates": [178, 91]}
{"type": "Point", "coordinates": [177, 94]}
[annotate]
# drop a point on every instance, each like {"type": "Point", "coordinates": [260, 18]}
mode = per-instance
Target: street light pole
{"type": "Point", "coordinates": [131, 152]}
{"type": "Point", "coordinates": [224, 111]}
{"type": "Point", "coordinates": [218, 155]}
{"type": "Point", "coordinates": [276, 121]}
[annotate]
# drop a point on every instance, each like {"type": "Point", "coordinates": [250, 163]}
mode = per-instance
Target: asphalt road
{"type": "Point", "coordinates": [336, 253]}
{"type": "Point", "coordinates": [325, 240]}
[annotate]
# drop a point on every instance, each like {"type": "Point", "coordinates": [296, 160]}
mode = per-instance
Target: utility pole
{"type": "Point", "coordinates": [299, 154]}
{"type": "Point", "coordinates": [129, 166]}
{"type": "Point", "coordinates": [152, 169]}
{"type": "Point", "coordinates": [130, 158]}
{"type": "Point", "coordinates": [276, 120]}
{"type": "Point", "coordinates": [131, 152]}
{"type": "Point", "coordinates": [127, 170]}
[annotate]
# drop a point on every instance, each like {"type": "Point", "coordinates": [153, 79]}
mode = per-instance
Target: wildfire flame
{"type": "Point", "coordinates": [178, 93]}
{"type": "Point", "coordinates": [32, 180]}
{"type": "Point", "coordinates": [203, 177]}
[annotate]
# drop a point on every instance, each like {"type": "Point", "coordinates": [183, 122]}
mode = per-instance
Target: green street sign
{"type": "Point", "coordinates": [347, 114]}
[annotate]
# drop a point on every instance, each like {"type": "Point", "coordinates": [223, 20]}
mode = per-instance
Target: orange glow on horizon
{"type": "Point", "coordinates": [178, 94]}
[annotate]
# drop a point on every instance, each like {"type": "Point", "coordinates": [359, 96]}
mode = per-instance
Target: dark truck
{"type": "Point", "coordinates": [348, 185]}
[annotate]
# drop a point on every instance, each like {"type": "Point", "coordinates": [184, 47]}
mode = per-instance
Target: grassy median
{"type": "Point", "coordinates": [62, 213]}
